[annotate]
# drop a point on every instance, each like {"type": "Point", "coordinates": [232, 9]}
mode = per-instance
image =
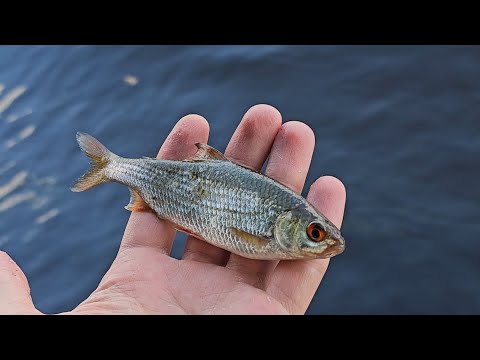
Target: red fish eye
{"type": "Point", "coordinates": [315, 232]}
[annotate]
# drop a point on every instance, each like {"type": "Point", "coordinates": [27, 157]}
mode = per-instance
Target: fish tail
{"type": "Point", "coordinates": [100, 157]}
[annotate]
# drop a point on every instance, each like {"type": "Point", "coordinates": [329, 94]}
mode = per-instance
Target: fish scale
{"type": "Point", "coordinates": [218, 201]}
{"type": "Point", "coordinates": [170, 193]}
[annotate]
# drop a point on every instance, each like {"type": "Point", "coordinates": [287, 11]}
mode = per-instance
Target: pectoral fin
{"type": "Point", "coordinates": [136, 202]}
{"type": "Point", "coordinates": [254, 240]}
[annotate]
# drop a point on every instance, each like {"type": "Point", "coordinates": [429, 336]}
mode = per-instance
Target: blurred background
{"type": "Point", "coordinates": [397, 124]}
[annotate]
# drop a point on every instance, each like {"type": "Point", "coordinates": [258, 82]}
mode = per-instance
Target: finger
{"type": "Point", "coordinates": [144, 228]}
{"type": "Point", "coordinates": [291, 155]}
{"type": "Point", "coordinates": [254, 136]}
{"type": "Point", "coordinates": [288, 163]}
{"type": "Point", "coordinates": [249, 145]}
{"type": "Point", "coordinates": [294, 283]}
{"type": "Point", "coordinates": [14, 289]}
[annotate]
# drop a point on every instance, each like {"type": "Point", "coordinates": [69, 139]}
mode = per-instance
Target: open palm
{"type": "Point", "coordinates": [144, 279]}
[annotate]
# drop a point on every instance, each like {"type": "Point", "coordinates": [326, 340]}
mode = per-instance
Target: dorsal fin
{"type": "Point", "coordinates": [206, 152]}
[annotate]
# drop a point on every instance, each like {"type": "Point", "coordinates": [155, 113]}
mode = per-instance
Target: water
{"type": "Point", "coordinates": [398, 125]}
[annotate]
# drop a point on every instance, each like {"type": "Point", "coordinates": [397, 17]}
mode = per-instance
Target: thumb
{"type": "Point", "coordinates": [14, 289]}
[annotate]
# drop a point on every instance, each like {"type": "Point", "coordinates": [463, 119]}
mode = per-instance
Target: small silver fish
{"type": "Point", "coordinates": [225, 204]}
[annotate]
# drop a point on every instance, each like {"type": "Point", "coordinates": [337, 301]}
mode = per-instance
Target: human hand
{"type": "Point", "coordinates": [144, 279]}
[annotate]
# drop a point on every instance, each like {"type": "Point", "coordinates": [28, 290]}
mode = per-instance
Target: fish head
{"type": "Point", "coordinates": [303, 232]}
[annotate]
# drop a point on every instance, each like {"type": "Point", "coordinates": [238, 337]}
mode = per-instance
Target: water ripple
{"type": "Point", "coordinates": [15, 200]}
{"type": "Point", "coordinates": [10, 97]}
{"type": "Point", "coordinates": [14, 183]}
{"type": "Point", "coordinates": [47, 216]}
{"type": "Point", "coordinates": [22, 135]}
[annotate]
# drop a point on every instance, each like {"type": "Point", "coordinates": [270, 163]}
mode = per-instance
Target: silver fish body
{"type": "Point", "coordinates": [220, 202]}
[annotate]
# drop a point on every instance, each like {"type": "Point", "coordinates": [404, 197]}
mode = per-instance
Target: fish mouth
{"type": "Point", "coordinates": [335, 249]}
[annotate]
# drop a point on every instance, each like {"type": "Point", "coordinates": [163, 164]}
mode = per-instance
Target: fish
{"type": "Point", "coordinates": [226, 204]}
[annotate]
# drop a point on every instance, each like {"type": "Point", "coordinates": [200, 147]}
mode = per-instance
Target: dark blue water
{"type": "Point", "coordinates": [398, 124]}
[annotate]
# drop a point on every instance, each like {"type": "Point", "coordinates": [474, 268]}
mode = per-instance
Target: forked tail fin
{"type": "Point", "coordinates": [100, 157]}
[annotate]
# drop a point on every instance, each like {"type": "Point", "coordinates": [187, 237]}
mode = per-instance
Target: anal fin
{"type": "Point", "coordinates": [254, 240]}
{"type": "Point", "coordinates": [187, 231]}
{"type": "Point", "coordinates": [136, 202]}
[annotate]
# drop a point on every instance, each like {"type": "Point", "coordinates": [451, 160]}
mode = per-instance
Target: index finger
{"type": "Point", "coordinates": [294, 282]}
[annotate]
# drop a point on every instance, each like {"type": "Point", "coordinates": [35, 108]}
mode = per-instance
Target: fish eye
{"type": "Point", "coordinates": [315, 232]}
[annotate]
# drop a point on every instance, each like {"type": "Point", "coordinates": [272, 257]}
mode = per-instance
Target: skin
{"type": "Point", "coordinates": [144, 279]}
